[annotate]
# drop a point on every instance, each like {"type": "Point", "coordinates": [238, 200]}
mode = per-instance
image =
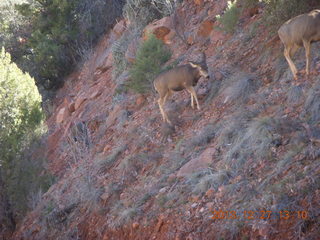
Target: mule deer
{"type": "Point", "coordinates": [177, 79]}
{"type": "Point", "coordinates": [297, 32]}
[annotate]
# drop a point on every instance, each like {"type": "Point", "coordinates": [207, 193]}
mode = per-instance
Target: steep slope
{"type": "Point", "coordinates": [249, 156]}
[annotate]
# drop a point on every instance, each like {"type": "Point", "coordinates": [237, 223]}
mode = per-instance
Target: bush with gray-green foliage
{"type": "Point", "coordinates": [22, 175]}
{"type": "Point", "coordinates": [142, 12]}
{"type": "Point", "coordinates": [151, 55]}
{"type": "Point", "coordinates": [279, 11]}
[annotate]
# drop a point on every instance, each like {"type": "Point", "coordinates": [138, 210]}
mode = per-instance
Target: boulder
{"type": "Point", "coordinates": [160, 28]}
{"type": "Point", "coordinates": [62, 115]}
{"type": "Point", "coordinates": [205, 28]}
{"type": "Point", "coordinates": [119, 28]}
{"type": "Point", "coordinates": [196, 164]}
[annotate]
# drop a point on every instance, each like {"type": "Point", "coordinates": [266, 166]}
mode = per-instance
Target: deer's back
{"type": "Point", "coordinates": [175, 79]}
{"type": "Point", "coordinates": [305, 26]}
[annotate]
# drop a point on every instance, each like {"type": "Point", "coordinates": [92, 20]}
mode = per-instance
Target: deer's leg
{"type": "Point", "coordinates": [192, 103]}
{"type": "Point", "coordinates": [306, 45]}
{"type": "Point", "coordinates": [193, 93]}
{"type": "Point", "coordinates": [161, 102]}
{"type": "Point", "coordinates": [287, 54]}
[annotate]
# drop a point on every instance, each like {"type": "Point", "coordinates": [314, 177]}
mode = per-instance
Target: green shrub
{"type": "Point", "coordinates": [22, 174]}
{"type": "Point", "coordinates": [151, 55]}
{"type": "Point", "coordinates": [230, 17]}
{"type": "Point", "coordinates": [56, 35]}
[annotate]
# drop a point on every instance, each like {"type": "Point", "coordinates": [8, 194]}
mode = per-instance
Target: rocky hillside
{"type": "Point", "coordinates": [245, 166]}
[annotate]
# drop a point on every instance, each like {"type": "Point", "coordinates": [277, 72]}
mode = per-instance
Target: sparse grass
{"type": "Point", "coordinates": [126, 215]}
{"type": "Point", "coordinates": [294, 95]}
{"type": "Point", "coordinates": [312, 105]}
{"type": "Point", "coordinates": [211, 180]}
{"type": "Point", "coordinates": [204, 137]}
{"type": "Point", "coordinates": [119, 49]}
{"type": "Point", "coordinates": [239, 87]}
{"type": "Point", "coordinates": [254, 143]}
{"type": "Point", "coordinates": [176, 160]}
{"type": "Point", "coordinates": [109, 160]}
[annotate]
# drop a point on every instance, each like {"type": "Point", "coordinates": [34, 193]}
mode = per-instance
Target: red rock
{"type": "Point", "coordinates": [71, 107]}
{"type": "Point", "coordinates": [109, 61]}
{"type": "Point", "coordinates": [105, 196]}
{"type": "Point", "coordinates": [140, 100]}
{"type": "Point", "coordinates": [210, 193]}
{"type": "Point", "coordinates": [169, 37]}
{"type": "Point", "coordinates": [160, 28]}
{"type": "Point", "coordinates": [135, 225]}
{"type": "Point", "coordinates": [198, 163]}
{"type": "Point", "coordinates": [119, 28]}
{"type": "Point", "coordinates": [205, 28]}
{"type": "Point", "coordinates": [62, 115]}
{"type": "Point", "coordinates": [190, 40]}
{"type": "Point", "coordinates": [96, 94]}
{"type": "Point", "coordinates": [79, 101]}
{"type": "Point", "coordinates": [217, 35]}
{"type": "Point", "coordinates": [198, 2]}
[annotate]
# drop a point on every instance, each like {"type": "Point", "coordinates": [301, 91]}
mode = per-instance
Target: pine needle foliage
{"type": "Point", "coordinates": [151, 55]}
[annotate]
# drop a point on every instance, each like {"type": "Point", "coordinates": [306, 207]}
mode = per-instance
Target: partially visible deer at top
{"type": "Point", "coordinates": [297, 32]}
{"type": "Point", "coordinates": [177, 79]}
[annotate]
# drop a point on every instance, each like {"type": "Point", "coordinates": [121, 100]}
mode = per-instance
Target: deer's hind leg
{"type": "Point", "coordinates": [307, 46]}
{"type": "Point", "coordinates": [288, 54]}
{"type": "Point", "coordinates": [193, 95]}
{"type": "Point", "coordinates": [162, 100]}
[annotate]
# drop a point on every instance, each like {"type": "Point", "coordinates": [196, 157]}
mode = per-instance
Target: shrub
{"type": "Point", "coordinates": [142, 12]}
{"type": "Point", "coordinates": [151, 55]}
{"type": "Point", "coordinates": [279, 11]}
{"type": "Point", "coordinates": [230, 17]}
{"type": "Point", "coordinates": [22, 175]}
{"type": "Point", "coordinates": [56, 35]}
{"type": "Point", "coordinates": [119, 49]}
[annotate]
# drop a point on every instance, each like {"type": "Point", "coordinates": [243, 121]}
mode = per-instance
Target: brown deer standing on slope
{"type": "Point", "coordinates": [297, 32]}
{"type": "Point", "coordinates": [177, 79]}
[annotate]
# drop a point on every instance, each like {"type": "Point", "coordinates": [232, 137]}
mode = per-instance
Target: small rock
{"type": "Point", "coordinates": [95, 94]}
{"type": "Point", "coordinates": [135, 225]}
{"type": "Point", "coordinates": [119, 28]}
{"type": "Point", "coordinates": [162, 190]}
{"type": "Point", "coordinates": [72, 107]}
{"type": "Point", "coordinates": [210, 205]}
{"type": "Point", "coordinates": [210, 193]}
{"type": "Point", "coordinates": [62, 115]}
{"type": "Point", "coordinates": [140, 100]}
{"type": "Point", "coordinates": [194, 205]}
{"type": "Point", "coordinates": [105, 196]}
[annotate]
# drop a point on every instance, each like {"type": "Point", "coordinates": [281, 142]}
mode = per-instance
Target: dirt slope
{"type": "Point", "coordinates": [251, 152]}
